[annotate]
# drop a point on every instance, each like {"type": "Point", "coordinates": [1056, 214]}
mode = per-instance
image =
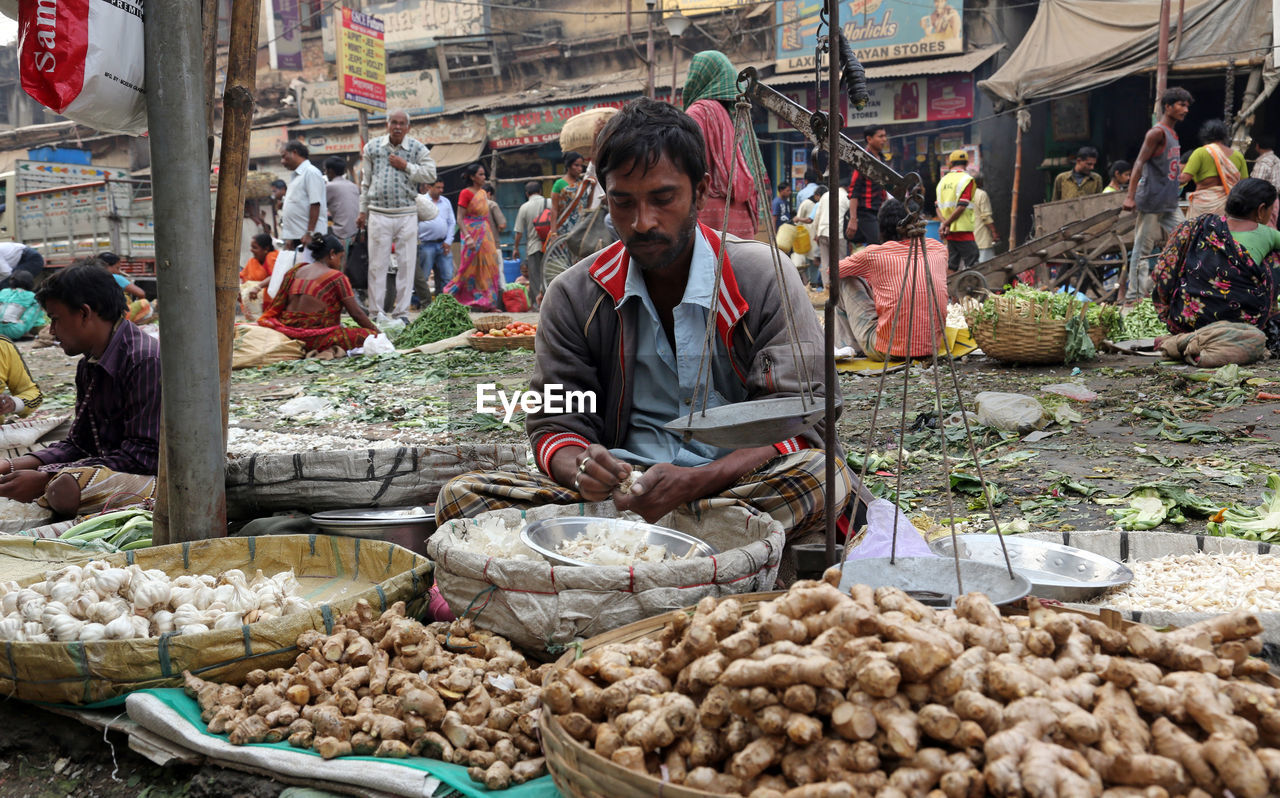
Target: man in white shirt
{"type": "Point", "coordinates": [304, 213]}
{"type": "Point", "coordinates": [434, 241]}
{"type": "Point", "coordinates": [394, 166]}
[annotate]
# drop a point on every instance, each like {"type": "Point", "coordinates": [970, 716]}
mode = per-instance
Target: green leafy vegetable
{"type": "Point", "coordinates": [1146, 510]}
{"type": "Point", "coordinates": [444, 318]}
{"type": "Point", "coordinates": [1140, 322]}
{"type": "Point", "coordinates": [1060, 305]}
{"type": "Point", "coordinates": [1253, 523]}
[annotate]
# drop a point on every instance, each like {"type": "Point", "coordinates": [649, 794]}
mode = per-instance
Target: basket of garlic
{"type": "Point", "coordinates": [93, 631]}
{"type": "Point", "coordinates": [481, 563]}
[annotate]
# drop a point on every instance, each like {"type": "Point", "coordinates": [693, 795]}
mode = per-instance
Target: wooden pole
{"type": "Point", "coordinates": [237, 119]}
{"type": "Point", "coordinates": [835, 239]}
{"type": "Point", "coordinates": [1162, 58]}
{"type": "Point", "coordinates": [1017, 178]}
{"type": "Point", "coordinates": [209, 29]}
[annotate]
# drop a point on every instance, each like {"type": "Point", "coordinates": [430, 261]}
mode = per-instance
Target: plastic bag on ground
{"type": "Point", "coordinates": [878, 540]}
{"type": "Point", "coordinates": [1071, 390]}
{"type": "Point", "coordinates": [378, 344]}
{"type": "Point", "coordinates": [1012, 412]}
{"type": "Point", "coordinates": [390, 329]}
{"type": "Point", "coordinates": [305, 406]}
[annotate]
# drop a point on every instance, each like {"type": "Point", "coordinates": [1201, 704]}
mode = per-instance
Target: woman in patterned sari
{"type": "Point", "coordinates": [478, 282]}
{"type": "Point", "coordinates": [1223, 268]}
{"type": "Point", "coordinates": [1215, 167]}
{"type": "Point", "coordinates": [308, 306]}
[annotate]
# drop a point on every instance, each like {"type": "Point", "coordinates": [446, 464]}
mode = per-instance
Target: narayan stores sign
{"type": "Point", "coordinates": [536, 125]}
{"type": "Point", "coordinates": [878, 30]}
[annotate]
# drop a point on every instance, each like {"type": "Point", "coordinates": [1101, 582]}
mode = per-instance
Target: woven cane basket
{"type": "Point", "coordinates": [492, 344]}
{"type": "Point", "coordinates": [1023, 332]}
{"type": "Point", "coordinates": [580, 772]}
{"type": "Point", "coordinates": [492, 322]}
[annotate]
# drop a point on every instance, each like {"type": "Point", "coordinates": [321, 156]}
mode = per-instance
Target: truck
{"type": "Point", "coordinates": [67, 211]}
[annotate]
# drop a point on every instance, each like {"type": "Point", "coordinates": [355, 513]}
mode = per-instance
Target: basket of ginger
{"type": "Point", "coordinates": [820, 693]}
{"type": "Point", "coordinates": [517, 334]}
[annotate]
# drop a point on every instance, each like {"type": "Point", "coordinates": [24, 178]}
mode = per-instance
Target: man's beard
{"type": "Point", "coordinates": [660, 258]}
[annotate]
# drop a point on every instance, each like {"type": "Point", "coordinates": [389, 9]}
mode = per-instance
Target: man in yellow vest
{"type": "Point", "coordinates": [955, 193]}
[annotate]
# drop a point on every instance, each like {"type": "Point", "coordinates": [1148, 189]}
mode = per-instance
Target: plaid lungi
{"type": "Point", "coordinates": [790, 488]}
{"type": "Point", "coordinates": [101, 488]}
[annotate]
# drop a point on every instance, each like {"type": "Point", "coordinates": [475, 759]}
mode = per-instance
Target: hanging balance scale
{"type": "Point", "coordinates": [933, 580]}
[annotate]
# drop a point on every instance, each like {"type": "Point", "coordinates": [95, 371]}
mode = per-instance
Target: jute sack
{"type": "Point", "coordinates": [334, 572]}
{"type": "Point", "coordinates": [541, 608]}
{"type": "Point", "coordinates": [1140, 546]}
{"type": "Point", "coordinates": [261, 346]}
{"type": "Point", "coordinates": [262, 484]}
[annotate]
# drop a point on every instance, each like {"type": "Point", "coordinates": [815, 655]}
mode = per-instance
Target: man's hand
{"type": "Point", "coordinates": [23, 486]}
{"type": "Point", "coordinates": [306, 239]}
{"type": "Point", "coordinates": [660, 490]}
{"type": "Point", "coordinates": [253, 292]}
{"type": "Point", "coordinates": [850, 231]}
{"type": "Point", "coordinates": [1128, 204]}
{"type": "Point", "coordinates": [361, 220]}
{"type": "Point", "coordinates": [943, 228]}
{"type": "Point", "coordinates": [593, 471]}
{"type": "Point", "coordinates": [397, 162]}
{"type": "Point", "coordinates": [7, 405]}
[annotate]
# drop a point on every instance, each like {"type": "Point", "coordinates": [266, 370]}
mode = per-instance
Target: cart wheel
{"type": "Point", "coordinates": [967, 283]}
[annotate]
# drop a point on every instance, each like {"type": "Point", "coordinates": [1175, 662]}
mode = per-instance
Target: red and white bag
{"type": "Point", "coordinates": [84, 59]}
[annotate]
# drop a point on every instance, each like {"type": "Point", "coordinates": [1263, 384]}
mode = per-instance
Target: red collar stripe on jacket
{"type": "Point", "coordinates": [548, 445]}
{"type": "Point", "coordinates": [610, 269]}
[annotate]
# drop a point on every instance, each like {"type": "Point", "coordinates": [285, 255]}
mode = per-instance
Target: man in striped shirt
{"type": "Point", "coordinates": [885, 303]}
{"type": "Point", "coordinates": [113, 447]}
{"type": "Point", "coordinates": [865, 194]}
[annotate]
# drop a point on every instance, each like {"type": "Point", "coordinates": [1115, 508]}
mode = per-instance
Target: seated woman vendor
{"type": "Point", "coordinates": [113, 447]}
{"type": "Point", "coordinates": [627, 324]}
{"type": "Point", "coordinates": [308, 305]}
{"type": "Point", "coordinates": [1223, 268]}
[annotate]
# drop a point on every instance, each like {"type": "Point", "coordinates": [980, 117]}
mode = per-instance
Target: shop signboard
{"type": "Point", "coordinates": [931, 98]}
{"type": "Point", "coordinates": [266, 142]}
{"type": "Point", "coordinates": [536, 125]}
{"type": "Point", "coordinates": [878, 30]}
{"type": "Point", "coordinates": [345, 139]}
{"type": "Point", "coordinates": [362, 61]}
{"type": "Point", "coordinates": [284, 35]}
{"type": "Point", "coordinates": [416, 92]}
{"type": "Point", "coordinates": [416, 24]}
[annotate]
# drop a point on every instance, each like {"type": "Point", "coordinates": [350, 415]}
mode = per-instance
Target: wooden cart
{"type": "Point", "coordinates": [1077, 243]}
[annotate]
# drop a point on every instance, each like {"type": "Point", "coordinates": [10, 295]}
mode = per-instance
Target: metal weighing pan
{"type": "Point", "coordinates": [404, 526]}
{"type": "Point", "coordinates": [1055, 571]}
{"type": "Point", "coordinates": [932, 580]}
{"type": "Point", "coordinates": [761, 422]}
{"type": "Point", "coordinates": [546, 535]}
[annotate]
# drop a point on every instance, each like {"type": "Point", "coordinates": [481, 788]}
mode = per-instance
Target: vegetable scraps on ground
{"type": "Point", "coordinates": [1151, 505]}
{"type": "Point", "coordinates": [444, 318]}
{"type": "Point", "coordinates": [385, 685]}
{"type": "Point", "coordinates": [826, 693]}
{"type": "Point", "coordinates": [1255, 522]}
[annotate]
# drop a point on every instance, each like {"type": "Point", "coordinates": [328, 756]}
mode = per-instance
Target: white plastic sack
{"type": "Point", "coordinates": [84, 59]}
{"type": "Point", "coordinates": [1013, 412]}
{"type": "Point", "coordinates": [878, 540]}
{"type": "Point", "coordinates": [378, 344]}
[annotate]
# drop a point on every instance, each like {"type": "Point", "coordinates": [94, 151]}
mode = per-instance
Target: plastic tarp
{"type": "Point", "coordinates": [1075, 45]}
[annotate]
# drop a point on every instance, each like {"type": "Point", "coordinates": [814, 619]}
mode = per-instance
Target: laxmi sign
{"type": "Point", "coordinates": [878, 30]}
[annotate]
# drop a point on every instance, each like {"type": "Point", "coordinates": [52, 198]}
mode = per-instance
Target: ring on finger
{"type": "Point", "coordinates": [577, 483]}
{"type": "Point", "coordinates": [582, 467]}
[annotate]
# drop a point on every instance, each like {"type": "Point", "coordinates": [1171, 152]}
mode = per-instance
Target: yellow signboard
{"type": "Point", "coordinates": [362, 60]}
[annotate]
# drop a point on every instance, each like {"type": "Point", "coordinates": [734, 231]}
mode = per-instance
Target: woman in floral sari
{"type": "Point", "coordinates": [308, 306]}
{"type": "Point", "coordinates": [1223, 268]}
{"type": "Point", "coordinates": [478, 282]}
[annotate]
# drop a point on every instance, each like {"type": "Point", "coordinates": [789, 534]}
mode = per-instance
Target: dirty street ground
{"type": "Point", "coordinates": [1150, 423]}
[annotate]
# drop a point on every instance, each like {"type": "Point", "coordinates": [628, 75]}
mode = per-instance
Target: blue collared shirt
{"type": "Point", "coordinates": [442, 227]}
{"type": "Point", "coordinates": [664, 380]}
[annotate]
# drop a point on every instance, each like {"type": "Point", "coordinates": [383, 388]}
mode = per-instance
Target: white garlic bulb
{"type": "Point", "coordinates": [32, 628]}
{"type": "Point", "coordinates": [111, 580]}
{"type": "Point", "coordinates": [32, 609]}
{"type": "Point", "coordinates": [233, 576]}
{"type": "Point", "coordinates": [79, 606]}
{"type": "Point", "coordinates": [39, 638]}
{"type": "Point", "coordinates": [162, 622]}
{"type": "Point", "coordinates": [208, 580]}
{"type": "Point", "coordinates": [202, 597]}
{"type": "Point", "coordinates": [193, 629]}
{"type": "Point", "coordinates": [185, 615]}
{"type": "Point", "coordinates": [120, 628]}
{"type": "Point", "coordinates": [104, 612]}
{"type": "Point", "coordinates": [149, 593]}
{"type": "Point", "coordinates": [91, 632]}
{"type": "Point", "coordinates": [228, 620]}
{"type": "Point", "coordinates": [293, 604]}
{"type": "Point", "coordinates": [9, 602]}
{"type": "Point", "coordinates": [185, 581]}
{"type": "Point", "coordinates": [224, 594]}
{"type": "Point", "coordinates": [71, 573]}
{"type": "Point", "coordinates": [64, 592]}
{"type": "Point", "coordinates": [42, 588]}
{"type": "Point", "coordinates": [141, 626]}
{"type": "Point", "coordinates": [10, 628]}
{"type": "Point", "coordinates": [8, 586]}
{"type": "Point", "coordinates": [52, 611]}
{"type": "Point", "coordinates": [64, 627]}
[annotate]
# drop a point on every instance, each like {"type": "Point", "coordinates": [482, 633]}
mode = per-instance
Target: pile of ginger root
{"type": "Point", "coordinates": [826, 694]}
{"type": "Point", "coordinates": [389, 686]}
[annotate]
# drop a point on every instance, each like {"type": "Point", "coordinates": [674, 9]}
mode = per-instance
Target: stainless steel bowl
{"type": "Point", "coordinates": [1055, 571]}
{"type": "Point", "coordinates": [545, 537]}
{"type": "Point", "coordinates": [932, 580]}
{"type": "Point", "coordinates": [404, 526]}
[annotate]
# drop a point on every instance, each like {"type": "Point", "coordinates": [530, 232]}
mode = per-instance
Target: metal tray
{"type": "Point", "coordinates": [546, 535]}
{"type": "Point", "coordinates": [762, 422]}
{"type": "Point", "coordinates": [391, 524]}
{"type": "Point", "coordinates": [1055, 571]}
{"type": "Point", "coordinates": [932, 580]}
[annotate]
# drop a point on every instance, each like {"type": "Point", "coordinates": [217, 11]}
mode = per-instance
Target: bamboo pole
{"type": "Point", "coordinates": [237, 119]}
{"type": "Point", "coordinates": [834, 240]}
{"type": "Point", "coordinates": [1017, 178]}
{"type": "Point", "coordinates": [209, 29]}
{"type": "Point", "coordinates": [195, 481]}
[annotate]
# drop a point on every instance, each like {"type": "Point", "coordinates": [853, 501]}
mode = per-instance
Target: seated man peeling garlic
{"type": "Point", "coordinates": [634, 337]}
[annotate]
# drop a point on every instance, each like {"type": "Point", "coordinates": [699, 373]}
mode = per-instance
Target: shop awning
{"type": "Point", "coordinates": [1075, 45]}
{"type": "Point", "coordinates": [456, 153]}
{"type": "Point", "coordinates": [964, 62]}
